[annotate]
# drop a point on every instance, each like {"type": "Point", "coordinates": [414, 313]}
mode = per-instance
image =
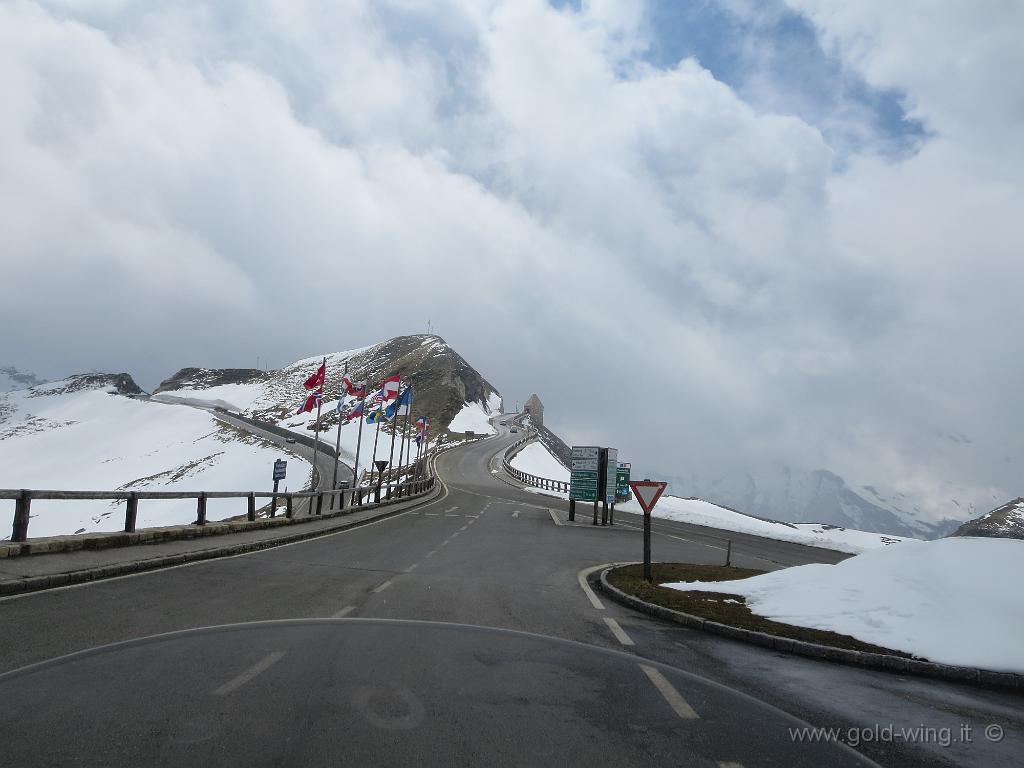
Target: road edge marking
{"type": "Point", "coordinates": [618, 631]}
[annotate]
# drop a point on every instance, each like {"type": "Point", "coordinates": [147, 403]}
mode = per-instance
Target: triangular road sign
{"type": "Point", "coordinates": [648, 492]}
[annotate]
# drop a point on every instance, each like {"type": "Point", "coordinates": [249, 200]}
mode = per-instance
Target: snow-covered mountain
{"type": "Point", "coordinates": [1004, 522]}
{"type": "Point", "coordinates": [816, 496]}
{"type": "Point", "coordinates": [11, 378]}
{"type": "Point", "coordinates": [445, 387]}
{"type": "Point", "coordinates": [94, 432]}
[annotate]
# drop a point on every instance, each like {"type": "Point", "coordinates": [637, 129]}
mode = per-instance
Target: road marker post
{"type": "Point", "coordinates": [647, 493]}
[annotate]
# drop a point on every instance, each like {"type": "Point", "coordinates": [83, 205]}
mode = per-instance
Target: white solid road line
{"type": "Point", "coordinates": [382, 587]}
{"type": "Point", "coordinates": [450, 510]}
{"type": "Point", "coordinates": [581, 577]}
{"type": "Point", "coordinates": [261, 666]}
{"type": "Point", "coordinates": [554, 517]}
{"type": "Point", "coordinates": [677, 702]}
{"type": "Point", "coordinates": [412, 567]}
{"type": "Point", "coordinates": [344, 612]}
{"type": "Point", "coordinates": [618, 631]}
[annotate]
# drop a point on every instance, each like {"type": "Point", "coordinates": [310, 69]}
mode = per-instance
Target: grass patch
{"type": "Point", "coordinates": [713, 605]}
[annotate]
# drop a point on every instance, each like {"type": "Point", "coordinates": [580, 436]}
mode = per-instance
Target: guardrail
{"type": "Point", "coordinates": [349, 497]}
{"type": "Point", "coordinates": [545, 483]}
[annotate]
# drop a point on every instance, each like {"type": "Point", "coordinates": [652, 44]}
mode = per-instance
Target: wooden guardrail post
{"type": "Point", "coordinates": [288, 506]}
{"type": "Point", "coordinates": [22, 505]}
{"type": "Point", "coordinates": [251, 510]}
{"type": "Point", "coordinates": [131, 513]}
{"type": "Point", "coordinates": [320, 502]}
{"type": "Point", "coordinates": [201, 509]}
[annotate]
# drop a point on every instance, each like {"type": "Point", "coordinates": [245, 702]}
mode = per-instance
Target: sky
{"type": "Point", "coordinates": [720, 235]}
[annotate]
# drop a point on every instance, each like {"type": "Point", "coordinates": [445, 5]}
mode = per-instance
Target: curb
{"type": "Point", "coordinates": [880, 661]}
{"type": "Point", "coordinates": [37, 583]}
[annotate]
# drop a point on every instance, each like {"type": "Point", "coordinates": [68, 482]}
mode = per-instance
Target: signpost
{"type": "Point", "coordinates": [609, 462]}
{"type": "Point", "coordinates": [622, 482]}
{"type": "Point", "coordinates": [583, 479]}
{"type": "Point", "coordinates": [280, 470]}
{"type": "Point", "coordinates": [647, 493]}
{"type": "Point", "coordinates": [381, 465]}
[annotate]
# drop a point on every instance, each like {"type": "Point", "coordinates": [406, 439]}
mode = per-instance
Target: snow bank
{"type": "Point", "coordinates": [535, 459]}
{"type": "Point", "coordinates": [473, 418]}
{"type": "Point", "coordinates": [699, 512]}
{"type": "Point", "coordinates": [953, 601]}
{"type": "Point", "coordinates": [95, 440]}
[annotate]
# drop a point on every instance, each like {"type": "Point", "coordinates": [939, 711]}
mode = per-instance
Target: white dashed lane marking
{"type": "Point", "coordinates": [344, 612]}
{"type": "Point", "coordinates": [668, 691]}
{"type": "Point", "coordinates": [382, 587]}
{"type": "Point", "coordinates": [260, 666]}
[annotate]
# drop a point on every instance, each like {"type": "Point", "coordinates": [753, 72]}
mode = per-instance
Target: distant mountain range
{"type": "Point", "coordinates": [11, 379]}
{"type": "Point", "coordinates": [819, 496]}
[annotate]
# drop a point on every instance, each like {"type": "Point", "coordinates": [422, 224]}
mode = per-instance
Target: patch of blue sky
{"type": "Point", "coordinates": [773, 59]}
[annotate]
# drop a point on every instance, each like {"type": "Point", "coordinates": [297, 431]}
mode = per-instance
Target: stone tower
{"type": "Point", "coordinates": [535, 409]}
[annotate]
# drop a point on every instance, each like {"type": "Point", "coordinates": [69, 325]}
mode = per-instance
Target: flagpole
{"type": "Point", "coordinates": [359, 440]}
{"type": "Point", "coordinates": [376, 437]}
{"type": "Point", "coordinates": [408, 435]}
{"type": "Point", "coordinates": [337, 442]}
{"type": "Point", "coordinates": [404, 428]}
{"type": "Point", "coordinates": [316, 429]}
{"type": "Point", "coordinates": [394, 428]}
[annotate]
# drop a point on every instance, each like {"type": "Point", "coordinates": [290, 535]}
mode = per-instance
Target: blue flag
{"type": "Point", "coordinates": [374, 416]}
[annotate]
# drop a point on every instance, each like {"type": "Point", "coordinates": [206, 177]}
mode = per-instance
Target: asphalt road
{"type": "Point", "coordinates": [624, 689]}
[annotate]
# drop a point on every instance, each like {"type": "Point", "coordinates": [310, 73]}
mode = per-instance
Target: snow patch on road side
{"type": "Point", "coordinates": [95, 439]}
{"type": "Point", "coordinates": [535, 459]}
{"type": "Point", "coordinates": [474, 417]}
{"type": "Point", "coordinates": [699, 512]}
{"type": "Point", "coordinates": [952, 601]}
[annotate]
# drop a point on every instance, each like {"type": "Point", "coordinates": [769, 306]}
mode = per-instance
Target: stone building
{"type": "Point", "coordinates": [535, 409]}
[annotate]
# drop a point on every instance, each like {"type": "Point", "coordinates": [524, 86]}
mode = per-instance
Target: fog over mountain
{"type": "Point", "coordinates": [724, 237]}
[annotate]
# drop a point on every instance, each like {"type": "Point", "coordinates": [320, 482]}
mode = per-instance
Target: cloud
{"type": "Point", "coordinates": [676, 270]}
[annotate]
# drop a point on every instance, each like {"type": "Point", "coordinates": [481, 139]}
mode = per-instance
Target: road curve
{"type": "Point", "coordinates": [483, 554]}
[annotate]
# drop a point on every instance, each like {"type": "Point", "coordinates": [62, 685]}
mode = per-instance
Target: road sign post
{"type": "Point", "coordinates": [647, 493]}
{"type": "Point", "coordinates": [280, 470]}
{"type": "Point", "coordinates": [380, 464]}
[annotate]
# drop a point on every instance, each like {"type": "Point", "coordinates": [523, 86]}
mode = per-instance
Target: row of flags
{"type": "Point", "coordinates": [352, 405]}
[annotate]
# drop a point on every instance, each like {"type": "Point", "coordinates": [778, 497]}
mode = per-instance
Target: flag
{"type": "Point", "coordinates": [422, 423]}
{"type": "Point", "coordinates": [391, 410]}
{"type": "Point", "coordinates": [355, 413]}
{"type": "Point", "coordinates": [419, 439]}
{"type": "Point", "coordinates": [317, 379]}
{"type": "Point", "coordinates": [341, 405]}
{"type": "Point", "coordinates": [377, 397]}
{"type": "Point", "coordinates": [357, 389]}
{"type": "Point", "coordinates": [314, 399]}
{"type": "Point", "coordinates": [374, 416]}
{"type": "Point", "coordinates": [405, 402]}
{"type": "Point", "coordinates": [390, 387]}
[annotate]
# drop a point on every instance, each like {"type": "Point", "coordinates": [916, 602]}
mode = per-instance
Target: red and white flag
{"type": "Point", "coordinates": [391, 386]}
{"type": "Point", "coordinates": [312, 401]}
{"type": "Point", "coordinates": [353, 389]}
{"type": "Point", "coordinates": [317, 379]}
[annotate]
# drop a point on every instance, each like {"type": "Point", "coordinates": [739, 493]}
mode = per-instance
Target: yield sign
{"type": "Point", "coordinates": [648, 492]}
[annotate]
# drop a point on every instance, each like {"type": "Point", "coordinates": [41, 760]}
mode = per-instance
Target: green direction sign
{"type": "Point", "coordinates": [622, 481]}
{"type": "Point", "coordinates": [583, 479]}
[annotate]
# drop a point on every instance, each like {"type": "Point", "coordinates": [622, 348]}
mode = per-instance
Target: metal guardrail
{"type": "Point", "coordinates": [545, 483]}
{"type": "Point", "coordinates": [348, 497]}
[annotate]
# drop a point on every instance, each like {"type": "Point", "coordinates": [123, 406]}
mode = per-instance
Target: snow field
{"type": "Point", "coordinates": [952, 601]}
